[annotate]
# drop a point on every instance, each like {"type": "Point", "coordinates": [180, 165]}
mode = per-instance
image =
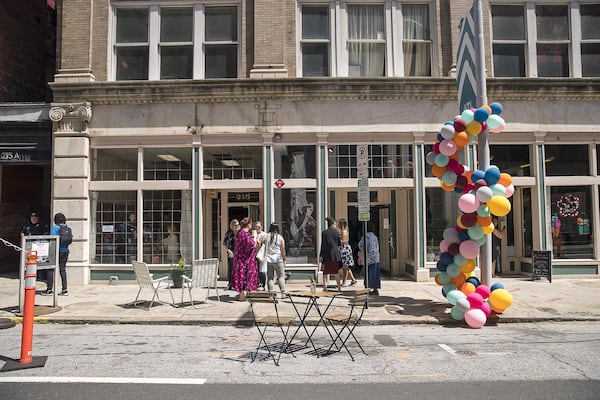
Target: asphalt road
{"type": "Point", "coordinates": [509, 361]}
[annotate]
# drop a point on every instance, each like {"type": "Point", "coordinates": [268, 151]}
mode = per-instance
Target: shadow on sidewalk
{"type": "Point", "coordinates": [412, 307]}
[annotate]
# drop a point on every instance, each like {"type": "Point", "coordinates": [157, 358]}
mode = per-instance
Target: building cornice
{"type": "Point", "coordinates": [319, 89]}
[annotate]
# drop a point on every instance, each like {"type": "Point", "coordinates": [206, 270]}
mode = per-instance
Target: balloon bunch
{"type": "Point", "coordinates": [482, 194]}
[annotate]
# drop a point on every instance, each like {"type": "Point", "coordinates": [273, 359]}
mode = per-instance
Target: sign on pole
{"type": "Point", "coordinates": [362, 167]}
{"type": "Point", "coordinates": [465, 64]}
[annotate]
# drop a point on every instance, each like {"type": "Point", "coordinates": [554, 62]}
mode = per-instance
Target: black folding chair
{"type": "Point", "coordinates": [349, 319]}
{"type": "Point", "coordinates": [266, 316]}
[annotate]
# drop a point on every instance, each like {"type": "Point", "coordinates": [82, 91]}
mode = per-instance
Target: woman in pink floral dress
{"type": "Point", "coordinates": [245, 269]}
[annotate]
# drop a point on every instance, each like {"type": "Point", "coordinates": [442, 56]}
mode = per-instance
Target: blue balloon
{"type": "Point", "coordinates": [481, 114]}
{"type": "Point", "coordinates": [440, 137]}
{"type": "Point", "coordinates": [441, 266]}
{"type": "Point", "coordinates": [449, 123]}
{"type": "Point", "coordinates": [477, 175]}
{"type": "Point", "coordinates": [492, 175]}
{"type": "Point", "coordinates": [495, 286]}
{"type": "Point", "coordinates": [474, 280]}
{"type": "Point", "coordinates": [446, 258]}
{"type": "Point", "coordinates": [463, 235]}
{"type": "Point", "coordinates": [496, 108]}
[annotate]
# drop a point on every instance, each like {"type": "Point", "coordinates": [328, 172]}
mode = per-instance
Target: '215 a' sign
{"type": "Point", "coordinates": [14, 156]}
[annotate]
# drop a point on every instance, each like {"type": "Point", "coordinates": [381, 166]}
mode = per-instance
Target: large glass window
{"type": "Point", "coordinates": [297, 212]}
{"type": "Point", "coordinates": [114, 164]}
{"type": "Point", "coordinates": [114, 239]}
{"type": "Point", "coordinates": [176, 43]}
{"type": "Point", "coordinates": [385, 161]}
{"type": "Point", "coordinates": [366, 40]}
{"type": "Point", "coordinates": [441, 211]}
{"type": "Point", "coordinates": [571, 222]}
{"type": "Point", "coordinates": [172, 29]}
{"type": "Point", "coordinates": [233, 163]}
{"type": "Point", "coordinates": [295, 162]}
{"type": "Point", "coordinates": [567, 160]}
{"type": "Point", "coordinates": [552, 22]}
{"type": "Point", "coordinates": [416, 44]}
{"type": "Point", "coordinates": [512, 159]}
{"type": "Point", "coordinates": [168, 164]}
{"type": "Point", "coordinates": [131, 46]}
{"type": "Point", "coordinates": [315, 41]}
{"type": "Point", "coordinates": [509, 40]}
{"type": "Point", "coordinates": [590, 38]}
{"type": "Point", "coordinates": [221, 43]}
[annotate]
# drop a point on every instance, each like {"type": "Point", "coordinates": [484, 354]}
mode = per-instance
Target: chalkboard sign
{"type": "Point", "coordinates": [542, 264]}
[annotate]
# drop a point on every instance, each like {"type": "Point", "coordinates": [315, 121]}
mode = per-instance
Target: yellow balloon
{"type": "Point", "coordinates": [468, 267]}
{"type": "Point", "coordinates": [459, 223]}
{"type": "Point", "coordinates": [500, 299]}
{"type": "Point", "coordinates": [499, 205]}
{"type": "Point", "coordinates": [488, 229]}
{"type": "Point", "coordinates": [473, 128]}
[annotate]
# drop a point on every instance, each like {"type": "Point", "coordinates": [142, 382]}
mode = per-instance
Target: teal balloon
{"type": "Point", "coordinates": [459, 259]}
{"type": "Point", "coordinates": [441, 160]}
{"type": "Point", "coordinates": [448, 287]}
{"type": "Point", "coordinates": [454, 295]}
{"type": "Point", "coordinates": [443, 278]}
{"type": "Point", "coordinates": [494, 121]}
{"type": "Point", "coordinates": [481, 241]}
{"type": "Point", "coordinates": [498, 190]}
{"type": "Point", "coordinates": [453, 270]}
{"type": "Point", "coordinates": [483, 211]}
{"type": "Point", "coordinates": [468, 116]}
{"type": "Point", "coordinates": [457, 314]}
{"type": "Point", "coordinates": [476, 232]}
{"type": "Point", "coordinates": [463, 304]}
{"type": "Point", "coordinates": [449, 178]}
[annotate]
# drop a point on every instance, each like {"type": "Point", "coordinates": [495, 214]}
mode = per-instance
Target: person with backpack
{"type": "Point", "coordinates": [61, 229]}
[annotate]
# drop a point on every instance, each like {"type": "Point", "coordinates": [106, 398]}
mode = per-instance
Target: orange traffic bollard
{"type": "Point", "coordinates": [27, 361]}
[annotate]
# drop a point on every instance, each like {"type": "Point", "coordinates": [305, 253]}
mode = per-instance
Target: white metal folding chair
{"type": "Point", "coordinates": [205, 274]}
{"type": "Point", "coordinates": [145, 281]}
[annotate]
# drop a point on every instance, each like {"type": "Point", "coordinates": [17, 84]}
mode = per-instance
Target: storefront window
{"type": "Point", "coordinates": [114, 164]}
{"type": "Point", "coordinates": [296, 211]}
{"type": "Point", "coordinates": [567, 160]}
{"type": "Point", "coordinates": [232, 163]}
{"type": "Point", "coordinates": [512, 159]}
{"type": "Point", "coordinates": [441, 211]}
{"type": "Point", "coordinates": [113, 241]}
{"type": "Point", "coordinates": [571, 222]}
{"type": "Point", "coordinates": [295, 162]}
{"type": "Point", "coordinates": [168, 164]}
{"type": "Point", "coordinates": [385, 161]}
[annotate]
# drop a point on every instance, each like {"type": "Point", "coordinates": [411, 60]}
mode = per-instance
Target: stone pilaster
{"type": "Point", "coordinates": [70, 177]}
{"type": "Point", "coordinates": [269, 40]}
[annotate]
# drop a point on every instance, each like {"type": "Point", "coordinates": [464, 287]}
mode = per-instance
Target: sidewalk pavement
{"type": "Point", "coordinates": [398, 302]}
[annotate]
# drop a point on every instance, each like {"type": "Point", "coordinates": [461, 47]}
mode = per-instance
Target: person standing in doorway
{"type": "Point", "coordinates": [330, 253]}
{"type": "Point", "coordinates": [372, 260]}
{"type": "Point", "coordinates": [34, 227]}
{"type": "Point", "coordinates": [346, 253]}
{"type": "Point", "coordinates": [245, 270]}
{"type": "Point", "coordinates": [497, 236]}
{"type": "Point", "coordinates": [229, 244]}
{"type": "Point", "coordinates": [63, 231]}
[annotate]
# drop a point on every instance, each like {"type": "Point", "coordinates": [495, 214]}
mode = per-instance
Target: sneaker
{"type": "Point", "coordinates": [353, 282]}
{"type": "Point", "coordinates": [47, 293]}
{"type": "Point", "coordinates": [375, 292]}
{"type": "Point", "coordinates": [64, 293]}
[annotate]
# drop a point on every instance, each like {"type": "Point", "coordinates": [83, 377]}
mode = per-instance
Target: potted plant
{"type": "Point", "coordinates": [177, 271]}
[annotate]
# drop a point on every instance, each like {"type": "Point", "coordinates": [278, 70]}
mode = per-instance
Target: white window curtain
{"type": "Point", "coordinates": [185, 236]}
{"type": "Point", "coordinates": [366, 31]}
{"type": "Point", "coordinates": [416, 40]}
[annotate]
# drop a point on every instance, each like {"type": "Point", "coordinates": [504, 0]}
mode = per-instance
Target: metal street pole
{"type": "Point", "coordinates": [483, 148]}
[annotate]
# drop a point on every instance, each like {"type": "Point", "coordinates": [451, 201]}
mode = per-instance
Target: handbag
{"type": "Point", "coordinates": [260, 254]}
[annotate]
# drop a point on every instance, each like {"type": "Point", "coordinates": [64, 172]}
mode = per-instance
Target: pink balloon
{"type": "Point", "coordinates": [483, 290]}
{"type": "Point", "coordinates": [499, 128]}
{"type": "Point", "coordinates": [448, 147]}
{"type": "Point", "coordinates": [469, 249]}
{"type": "Point", "coordinates": [475, 300]}
{"type": "Point", "coordinates": [475, 318]}
{"type": "Point", "coordinates": [444, 246]}
{"type": "Point", "coordinates": [510, 190]}
{"type": "Point", "coordinates": [485, 307]}
{"type": "Point", "coordinates": [468, 203]}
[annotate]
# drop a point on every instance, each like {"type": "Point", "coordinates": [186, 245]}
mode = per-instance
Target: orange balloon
{"type": "Point", "coordinates": [438, 171]}
{"type": "Point", "coordinates": [461, 139]}
{"type": "Point", "coordinates": [459, 280]}
{"type": "Point", "coordinates": [437, 279]}
{"type": "Point", "coordinates": [484, 221]}
{"type": "Point", "coordinates": [467, 288]}
{"type": "Point", "coordinates": [446, 187]}
{"type": "Point", "coordinates": [488, 108]}
{"type": "Point", "coordinates": [468, 267]}
{"type": "Point", "coordinates": [454, 156]}
{"type": "Point", "coordinates": [505, 179]}
{"type": "Point", "coordinates": [468, 176]}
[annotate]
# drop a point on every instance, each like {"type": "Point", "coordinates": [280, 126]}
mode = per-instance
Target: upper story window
{"type": "Point", "coordinates": [353, 39]}
{"type": "Point", "coordinates": [186, 42]}
{"type": "Point", "coordinates": [554, 40]}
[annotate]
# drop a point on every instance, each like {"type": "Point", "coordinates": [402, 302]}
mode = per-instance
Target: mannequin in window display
{"type": "Point", "coordinates": [171, 244]}
{"type": "Point", "coordinates": [556, 236]}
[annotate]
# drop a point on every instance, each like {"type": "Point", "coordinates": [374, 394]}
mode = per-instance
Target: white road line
{"type": "Point", "coordinates": [92, 379]}
{"type": "Point", "coordinates": [447, 348]}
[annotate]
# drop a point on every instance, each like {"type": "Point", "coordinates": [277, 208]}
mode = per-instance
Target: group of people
{"type": "Point", "coordinates": [243, 244]}
{"type": "Point", "coordinates": [35, 227]}
{"type": "Point", "coordinates": [337, 257]}
{"type": "Point", "coordinates": [256, 259]}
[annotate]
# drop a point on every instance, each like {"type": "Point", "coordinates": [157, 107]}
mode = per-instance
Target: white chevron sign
{"type": "Point", "coordinates": [465, 64]}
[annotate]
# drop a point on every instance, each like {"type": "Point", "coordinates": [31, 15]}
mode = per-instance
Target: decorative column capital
{"type": "Point", "coordinates": [71, 118]}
